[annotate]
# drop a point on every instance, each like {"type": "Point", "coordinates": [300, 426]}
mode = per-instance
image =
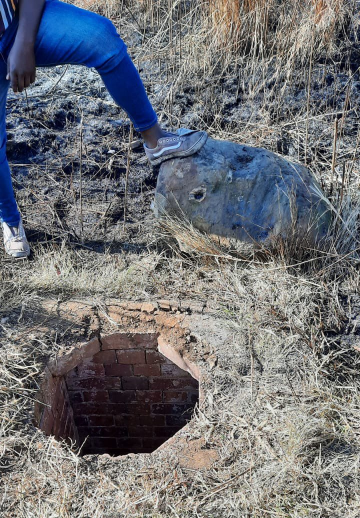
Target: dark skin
{"type": "Point", "coordinates": [21, 65]}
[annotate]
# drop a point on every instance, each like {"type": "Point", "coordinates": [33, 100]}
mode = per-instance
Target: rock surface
{"type": "Point", "coordinates": [242, 192]}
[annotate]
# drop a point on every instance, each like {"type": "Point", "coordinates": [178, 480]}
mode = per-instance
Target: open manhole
{"type": "Point", "coordinates": [117, 396]}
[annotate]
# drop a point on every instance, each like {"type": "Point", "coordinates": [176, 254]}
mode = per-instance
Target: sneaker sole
{"type": "Point", "coordinates": [182, 154]}
{"type": "Point", "coordinates": [19, 255]}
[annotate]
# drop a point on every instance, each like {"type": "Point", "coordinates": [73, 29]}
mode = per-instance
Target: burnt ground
{"type": "Point", "coordinates": [72, 144]}
{"type": "Point", "coordinates": [68, 141]}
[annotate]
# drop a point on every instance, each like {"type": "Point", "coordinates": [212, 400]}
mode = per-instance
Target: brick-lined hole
{"type": "Point", "coordinates": [125, 398]}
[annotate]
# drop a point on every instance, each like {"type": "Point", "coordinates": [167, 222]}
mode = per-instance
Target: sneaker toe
{"type": "Point", "coordinates": [18, 249]}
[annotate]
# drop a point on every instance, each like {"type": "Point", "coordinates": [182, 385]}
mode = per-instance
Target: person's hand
{"type": "Point", "coordinates": [21, 66]}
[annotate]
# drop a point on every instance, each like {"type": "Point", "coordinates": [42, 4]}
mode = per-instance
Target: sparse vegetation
{"type": "Point", "coordinates": [282, 399]}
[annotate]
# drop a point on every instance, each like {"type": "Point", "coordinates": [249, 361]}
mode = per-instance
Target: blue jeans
{"type": "Point", "coordinates": [69, 35]}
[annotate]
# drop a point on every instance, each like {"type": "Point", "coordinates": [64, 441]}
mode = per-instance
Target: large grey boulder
{"type": "Point", "coordinates": [242, 192]}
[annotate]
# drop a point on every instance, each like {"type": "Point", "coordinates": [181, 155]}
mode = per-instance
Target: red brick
{"type": "Point", "coordinates": [172, 383]}
{"type": "Point", "coordinates": [89, 369]}
{"type": "Point", "coordinates": [117, 341]}
{"type": "Point", "coordinates": [177, 420]}
{"type": "Point", "coordinates": [55, 394]}
{"type": "Point", "coordinates": [140, 431]}
{"type": "Point", "coordinates": [173, 371]}
{"type": "Point", "coordinates": [64, 363]}
{"type": "Point", "coordinates": [68, 430]}
{"type": "Point", "coordinates": [104, 443]}
{"type": "Point", "coordinates": [125, 396]}
{"type": "Point", "coordinates": [132, 383]}
{"type": "Point", "coordinates": [90, 348]}
{"type": "Point", "coordinates": [81, 420]}
{"type": "Point", "coordinates": [101, 396]}
{"type": "Point", "coordinates": [118, 370]}
{"type": "Point", "coordinates": [154, 357]}
{"type": "Point", "coordinates": [56, 426]}
{"type": "Point", "coordinates": [152, 420]}
{"type": "Point", "coordinates": [146, 370]}
{"type": "Point", "coordinates": [152, 444]}
{"type": "Point", "coordinates": [61, 432]}
{"type": "Point", "coordinates": [99, 409]}
{"type": "Point", "coordinates": [130, 356]}
{"type": "Point", "coordinates": [171, 409]}
{"type": "Point", "coordinates": [130, 443]}
{"type": "Point", "coordinates": [47, 421]}
{"type": "Point", "coordinates": [126, 420]}
{"type": "Point", "coordinates": [103, 431]}
{"type": "Point", "coordinates": [106, 383]}
{"type": "Point", "coordinates": [66, 410]}
{"type": "Point", "coordinates": [171, 396]}
{"type": "Point", "coordinates": [101, 420]}
{"type": "Point", "coordinates": [58, 405]}
{"type": "Point", "coordinates": [112, 383]}
{"type": "Point", "coordinates": [146, 340]}
{"type": "Point", "coordinates": [138, 408]}
{"type": "Point", "coordinates": [166, 431]}
{"type": "Point", "coordinates": [75, 397]}
{"type": "Point", "coordinates": [50, 386]}
{"type": "Point", "coordinates": [71, 374]}
{"type": "Point", "coordinates": [130, 341]}
{"type": "Point", "coordinates": [161, 384]}
{"type": "Point", "coordinates": [74, 435]}
{"type": "Point", "coordinates": [105, 357]}
{"type": "Point", "coordinates": [149, 396]}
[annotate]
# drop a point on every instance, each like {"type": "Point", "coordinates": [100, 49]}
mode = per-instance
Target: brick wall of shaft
{"type": "Point", "coordinates": [129, 398]}
{"type": "Point", "coordinates": [57, 416]}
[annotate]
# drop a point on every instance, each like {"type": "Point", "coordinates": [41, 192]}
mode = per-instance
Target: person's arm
{"type": "Point", "coordinates": [21, 61]}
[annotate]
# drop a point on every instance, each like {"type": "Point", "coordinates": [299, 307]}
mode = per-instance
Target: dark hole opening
{"type": "Point", "coordinates": [127, 398]}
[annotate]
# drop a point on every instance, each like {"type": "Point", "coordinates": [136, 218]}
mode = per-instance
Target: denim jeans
{"type": "Point", "coordinates": [69, 35]}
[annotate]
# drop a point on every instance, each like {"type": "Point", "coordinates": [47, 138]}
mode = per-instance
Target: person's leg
{"type": "Point", "coordinates": [15, 240]}
{"type": "Point", "coordinates": [8, 208]}
{"type": "Point", "coordinates": [68, 34]}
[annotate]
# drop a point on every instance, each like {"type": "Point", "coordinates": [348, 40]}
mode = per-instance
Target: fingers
{"type": "Point", "coordinates": [20, 82]}
{"type": "Point", "coordinates": [14, 82]}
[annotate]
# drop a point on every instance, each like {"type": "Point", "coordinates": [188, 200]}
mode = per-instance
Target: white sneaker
{"type": "Point", "coordinates": [15, 241]}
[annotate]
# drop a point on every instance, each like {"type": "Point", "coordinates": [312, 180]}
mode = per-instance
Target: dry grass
{"type": "Point", "coordinates": [282, 402]}
{"type": "Point", "coordinates": [261, 26]}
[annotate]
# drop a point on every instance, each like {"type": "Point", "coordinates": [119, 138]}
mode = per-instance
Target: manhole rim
{"type": "Point", "coordinates": [144, 320]}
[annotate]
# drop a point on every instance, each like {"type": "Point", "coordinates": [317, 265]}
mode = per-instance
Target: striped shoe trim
{"type": "Point", "coordinates": [166, 149]}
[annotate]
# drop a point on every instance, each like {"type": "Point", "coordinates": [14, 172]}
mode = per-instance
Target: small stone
{"type": "Point", "coordinates": [147, 307]}
{"type": "Point", "coordinates": [165, 305]}
{"type": "Point", "coordinates": [212, 361]}
{"type": "Point", "coordinates": [136, 144]}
